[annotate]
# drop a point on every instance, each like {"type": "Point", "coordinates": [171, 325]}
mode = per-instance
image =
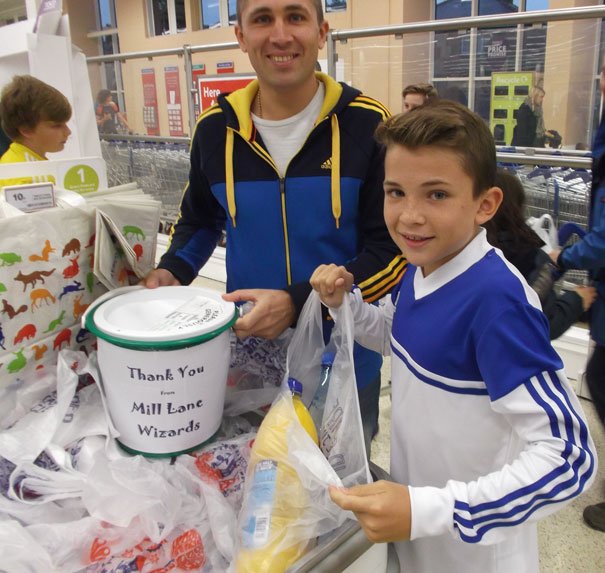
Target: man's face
{"type": "Point", "coordinates": [410, 101]}
{"type": "Point", "coordinates": [282, 39]}
{"type": "Point", "coordinates": [47, 137]}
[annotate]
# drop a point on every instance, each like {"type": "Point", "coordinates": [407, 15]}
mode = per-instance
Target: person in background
{"type": "Point", "coordinates": [487, 435]}
{"type": "Point", "coordinates": [290, 168]}
{"type": "Point", "coordinates": [416, 95]}
{"type": "Point", "coordinates": [34, 116]}
{"type": "Point", "coordinates": [509, 232]}
{"type": "Point", "coordinates": [589, 254]}
{"type": "Point", "coordinates": [529, 130]}
{"type": "Point", "coordinates": [108, 114]}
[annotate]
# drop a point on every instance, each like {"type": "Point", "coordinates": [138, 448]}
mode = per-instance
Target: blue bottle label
{"type": "Point", "coordinates": [256, 528]}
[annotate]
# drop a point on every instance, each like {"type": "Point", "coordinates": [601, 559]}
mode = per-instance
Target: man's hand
{"type": "Point", "coordinates": [331, 282]}
{"type": "Point", "coordinates": [272, 313]}
{"type": "Point", "coordinates": [382, 508]}
{"type": "Point", "coordinates": [160, 277]}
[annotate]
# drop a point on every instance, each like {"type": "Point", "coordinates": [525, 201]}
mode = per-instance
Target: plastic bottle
{"type": "Point", "coordinates": [316, 408]}
{"type": "Point", "coordinates": [276, 497]}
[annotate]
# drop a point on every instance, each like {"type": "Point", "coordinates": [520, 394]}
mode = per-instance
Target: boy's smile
{"type": "Point", "coordinates": [429, 206]}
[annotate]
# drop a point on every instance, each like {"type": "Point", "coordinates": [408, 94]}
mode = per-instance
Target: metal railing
{"type": "Point", "coordinates": [342, 36]}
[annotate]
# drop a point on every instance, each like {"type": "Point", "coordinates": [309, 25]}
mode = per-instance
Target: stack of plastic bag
{"type": "Point", "coordinates": [71, 500]}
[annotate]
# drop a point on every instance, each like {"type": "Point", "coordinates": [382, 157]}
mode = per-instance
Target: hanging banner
{"type": "Point", "coordinates": [210, 88]}
{"type": "Point", "coordinates": [197, 72]}
{"type": "Point", "coordinates": [173, 99]}
{"type": "Point", "coordinates": [150, 102]}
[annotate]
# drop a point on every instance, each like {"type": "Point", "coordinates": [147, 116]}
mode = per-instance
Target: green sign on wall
{"type": "Point", "coordinates": [508, 91]}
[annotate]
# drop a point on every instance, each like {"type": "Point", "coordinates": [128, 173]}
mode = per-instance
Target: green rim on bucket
{"type": "Point", "coordinates": [161, 344]}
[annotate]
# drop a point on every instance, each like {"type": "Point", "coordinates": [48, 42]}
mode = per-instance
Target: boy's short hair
{"type": "Point", "coordinates": [241, 4]}
{"type": "Point", "coordinates": [26, 101]}
{"type": "Point", "coordinates": [447, 125]}
{"type": "Point", "coordinates": [429, 91]}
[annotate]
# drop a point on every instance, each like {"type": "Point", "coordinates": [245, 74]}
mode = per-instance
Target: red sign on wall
{"type": "Point", "coordinates": [150, 102]}
{"type": "Point", "coordinates": [210, 88]}
{"type": "Point", "coordinates": [173, 101]}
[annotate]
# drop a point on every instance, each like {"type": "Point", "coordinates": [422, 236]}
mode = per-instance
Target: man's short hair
{"type": "Point", "coordinates": [427, 90]}
{"type": "Point", "coordinates": [241, 4]}
{"type": "Point", "coordinates": [26, 101]}
{"type": "Point", "coordinates": [451, 126]}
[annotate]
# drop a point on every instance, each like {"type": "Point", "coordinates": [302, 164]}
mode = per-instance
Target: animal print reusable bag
{"type": "Point", "coordinates": [46, 284]}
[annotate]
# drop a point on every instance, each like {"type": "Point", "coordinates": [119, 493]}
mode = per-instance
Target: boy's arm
{"type": "Point", "coordinates": [528, 389]}
{"type": "Point", "coordinates": [372, 323]}
{"type": "Point", "coordinates": [557, 463]}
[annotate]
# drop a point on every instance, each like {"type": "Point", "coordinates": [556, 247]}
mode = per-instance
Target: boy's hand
{"type": "Point", "coordinates": [382, 508]}
{"type": "Point", "coordinates": [331, 282]}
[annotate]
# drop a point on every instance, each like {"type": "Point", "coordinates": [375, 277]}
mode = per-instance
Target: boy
{"type": "Point", "coordinates": [486, 435]}
{"type": "Point", "coordinates": [34, 115]}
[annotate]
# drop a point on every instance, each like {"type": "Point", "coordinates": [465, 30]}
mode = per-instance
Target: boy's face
{"type": "Point", "coordinates": [282, 39]}
{"type": "Point", "coordinates": [47, 137]}
{"type": "Point", "coordinates": [429, 206]}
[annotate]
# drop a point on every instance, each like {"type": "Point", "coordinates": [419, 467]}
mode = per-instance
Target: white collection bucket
{"type": "Point", "coordinates": [164, 357]}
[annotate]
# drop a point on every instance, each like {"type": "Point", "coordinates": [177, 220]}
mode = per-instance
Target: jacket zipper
{"type": "Point", "coordinates": [282, 195]}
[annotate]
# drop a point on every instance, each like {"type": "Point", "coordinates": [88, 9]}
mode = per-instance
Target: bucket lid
{"type": "Point", "coordinates": [163, 314]}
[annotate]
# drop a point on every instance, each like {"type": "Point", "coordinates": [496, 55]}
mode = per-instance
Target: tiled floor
{"type": "Point", "coordinates": [567, 545]}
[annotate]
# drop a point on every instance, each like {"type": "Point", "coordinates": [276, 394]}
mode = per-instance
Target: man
{"type": "Point", "coordinates": [289, 166]}
{"type": "Point", "coordinates": [416, 95]}
{"type": "Point", "coordinates": [589, 254]}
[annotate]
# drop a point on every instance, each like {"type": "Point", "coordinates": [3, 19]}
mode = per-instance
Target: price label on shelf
{"type": "Point", "coordinates": [30, 197]}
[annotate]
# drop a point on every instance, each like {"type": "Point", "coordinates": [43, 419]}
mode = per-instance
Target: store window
{"type": "Point", "coordinates": [490, 7]}
{"type": "Point", "coordinates": [335, 5]}
{"type": "Point", "coordinates": [166, 17]}
{"type": "Point", "coordinates": [216, 13]}
{"type": "Point", "coordinates": [496, 50]}
{"type": "Point", "coordinates": [211, 14]}
{"type": "Point", "coordinates": [109, 44]}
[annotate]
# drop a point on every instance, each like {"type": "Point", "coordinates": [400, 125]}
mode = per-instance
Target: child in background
{"type": "Point", "coordinates": [487, 435]}
{"type": "Point", "coordinates": [34, 115]}
{"type": "Point", "coordinates": [509, 232]}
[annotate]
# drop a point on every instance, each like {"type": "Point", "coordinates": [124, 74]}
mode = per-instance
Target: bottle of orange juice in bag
{"type": "Point", "coordinates": [276, 497]}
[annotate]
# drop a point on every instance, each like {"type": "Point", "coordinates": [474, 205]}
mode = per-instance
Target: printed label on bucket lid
{"type": "Point", "coordinates": [196, 311]}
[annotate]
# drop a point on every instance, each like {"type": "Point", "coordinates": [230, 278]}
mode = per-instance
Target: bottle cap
{"type": "Point", "coordinates": [295, 386]}
{"type": "Point", "coordinates": [327, 358]}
